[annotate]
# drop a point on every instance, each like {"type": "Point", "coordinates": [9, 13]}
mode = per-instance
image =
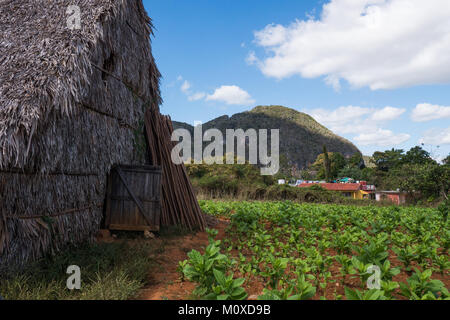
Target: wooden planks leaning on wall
{"type": "Point", "coordinates": [179, 204]}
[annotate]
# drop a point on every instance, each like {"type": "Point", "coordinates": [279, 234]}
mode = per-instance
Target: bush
{"type": "Point", "coordinates": [444, 208]}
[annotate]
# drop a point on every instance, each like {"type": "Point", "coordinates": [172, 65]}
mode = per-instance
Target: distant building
{"type": "Point", "coordinates": [281, 181]}
{"type": "Point", "coordinates": [397, 197]}
{"type": "Point", "coordinates": [352, 190]}
{"type": "Point", "coordinates": [345, 180]}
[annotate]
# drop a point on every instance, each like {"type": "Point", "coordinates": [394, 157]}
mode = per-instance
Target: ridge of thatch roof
{"type": "Point", "coordinates": [45, 66]}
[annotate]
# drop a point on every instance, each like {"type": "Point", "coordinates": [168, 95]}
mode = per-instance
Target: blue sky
{"type": "Point", "coordinates": [359, 67]}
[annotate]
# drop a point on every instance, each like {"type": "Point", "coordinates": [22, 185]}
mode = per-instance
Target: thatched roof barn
{"type": "Point", "coordinates": [71, 105]}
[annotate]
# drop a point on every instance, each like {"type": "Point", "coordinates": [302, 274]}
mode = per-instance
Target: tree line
{"type": "Point", "coordinates": [413, 171]}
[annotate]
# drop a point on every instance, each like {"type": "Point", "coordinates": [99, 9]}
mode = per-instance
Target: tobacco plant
{"type": "Point", "coordinates": [346, 266]}
{"type": "Point", "coordinates": [227, 288]}
{"type": "Point", "coordinates": [372, 294]}
{"type": "Point", "coordinates": [387, 273]}
{"type": "Point", "coordinates": [406, 255]}
{"type": "Point", "coordinates": [420, 285]}
{"type": "Point", "coordinates": [282, 242]}
{"type": "Point", "coordinates": [275, 271]}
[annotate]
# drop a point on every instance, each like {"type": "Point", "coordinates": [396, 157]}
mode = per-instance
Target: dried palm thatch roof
{"type": "Point", "coordinates": [71, 105]}
{"type": "Point", "coordinates": [44, 66]}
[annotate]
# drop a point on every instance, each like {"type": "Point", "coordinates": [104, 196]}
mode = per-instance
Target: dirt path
{"type": "Point", "coordinates": [164, 280]}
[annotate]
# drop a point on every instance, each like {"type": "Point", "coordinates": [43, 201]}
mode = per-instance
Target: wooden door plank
{"type": "Point", "coordinates": [135, 199]}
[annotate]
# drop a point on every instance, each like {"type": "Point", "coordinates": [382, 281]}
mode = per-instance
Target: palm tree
{"type": "Point", "coordinates": [327, 164]}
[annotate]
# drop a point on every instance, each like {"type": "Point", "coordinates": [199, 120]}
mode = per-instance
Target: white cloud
{"type": "Point", "coordinates": [341, 115]}
{"type": "Point", "coordinates": [197, 96]}
{"type": "Point", "coordinates": [436, 137]}
{"type": "Point", "coordinates": [425, 112]}
{"type": "Point", "coordinates": [228, 94]}
{"type": "Point", "coordinates": [231, 95]}
{"type": "Point", "coordinates": [271, 35]}
{"type": "Point", "coordinates": [387, 113]}
{"type": "Point", "coordinates": [354, 127]}
{"type": "Point", "coordinates": [365, 123]}
{"type": "Point", "coordinates": [354, 115]}
{"type": "Point", "coordinates": [377, 43]}
{"type": "Point", "coordinates": [381, 137]}
{"type": "Point", "coordinates": [186, 89]}
{"type": "Point", "coordinates": [185, 86]}
{"type": "Point", "coordinates": [332, 81]}
{"type": "Point", "coordinates": [251, 58]}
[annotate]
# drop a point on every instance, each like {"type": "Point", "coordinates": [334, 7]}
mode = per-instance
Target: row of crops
{"type": "Point", "coordinates": [285, 250]}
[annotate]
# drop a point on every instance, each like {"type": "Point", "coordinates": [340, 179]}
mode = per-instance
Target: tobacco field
{"type": "Point", "coordinates": [286, 250]}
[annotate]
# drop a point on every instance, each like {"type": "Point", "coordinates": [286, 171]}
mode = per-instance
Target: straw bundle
{"type": "Point", "coordinates": [71, 105]}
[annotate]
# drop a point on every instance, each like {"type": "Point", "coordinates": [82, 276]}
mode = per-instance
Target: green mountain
{"type": "Point", "coordinates": [301, 137]}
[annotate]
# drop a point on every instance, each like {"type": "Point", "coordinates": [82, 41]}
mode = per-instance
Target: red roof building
{"type": "Point", "coordinates": [334, 186]}
{"type": "Point", "coordinates": [353, 190]}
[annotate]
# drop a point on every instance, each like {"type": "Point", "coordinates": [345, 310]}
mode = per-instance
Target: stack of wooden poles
{"type": "Point", "coordinates": [179, 204]}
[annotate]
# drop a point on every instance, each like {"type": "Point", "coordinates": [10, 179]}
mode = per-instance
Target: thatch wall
{"type": "Point", "coordinates": [71, 105]}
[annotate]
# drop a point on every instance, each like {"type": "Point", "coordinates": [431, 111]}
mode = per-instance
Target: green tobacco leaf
{"type": "Point", "coordinates": [238, 282]}
{"type": "Point", "coordinates": [352, 294]}
{"type": "Point", "coordinates": [373, 294]}
{"type": "Point", "coordinates": [308, 294]}
{"type": "Point", "coordinates": [220, 277]}
{"type": "Point", "coordinates": [239, 294]}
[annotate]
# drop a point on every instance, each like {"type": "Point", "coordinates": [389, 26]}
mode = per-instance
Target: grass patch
{"type": "Point", "coordinates": [109, 271]}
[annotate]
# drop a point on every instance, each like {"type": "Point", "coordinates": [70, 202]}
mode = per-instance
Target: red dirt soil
{"type": "Point", "coordinates": [164, 281]}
